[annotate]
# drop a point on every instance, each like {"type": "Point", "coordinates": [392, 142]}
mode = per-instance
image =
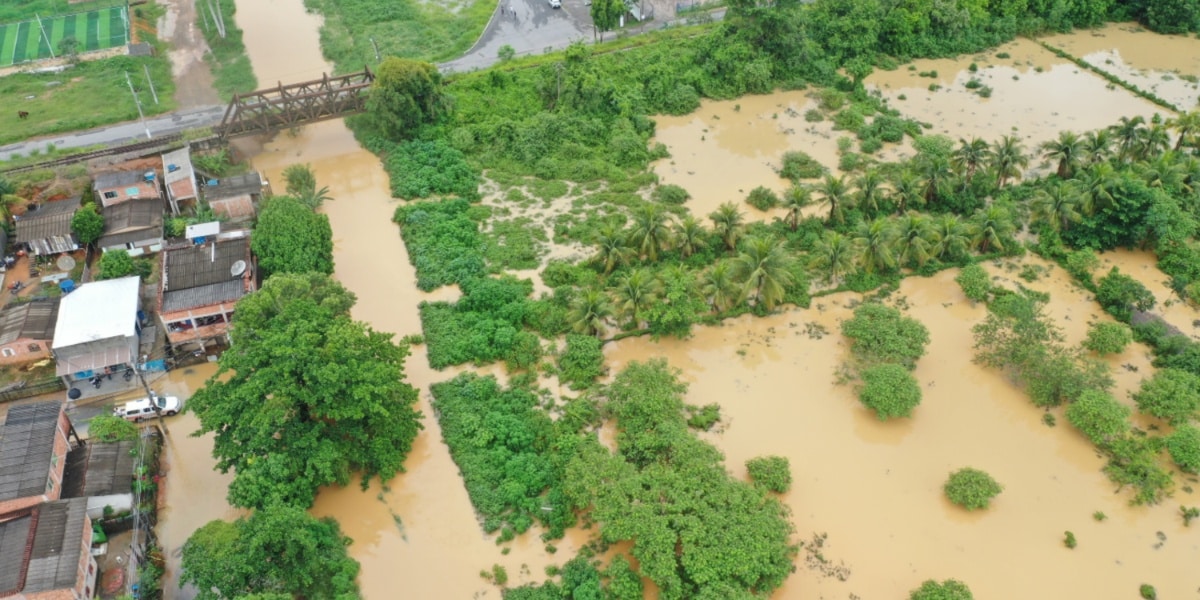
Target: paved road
{"type": "Point", "coordinates": [534, 28]}
{"type": "Point", "coordinates": [129, 132]}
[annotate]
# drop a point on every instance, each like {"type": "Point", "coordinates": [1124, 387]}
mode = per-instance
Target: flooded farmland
{"type": "Point", "coordinates": [873, 487]}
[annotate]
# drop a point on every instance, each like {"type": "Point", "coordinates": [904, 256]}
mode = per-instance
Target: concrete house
{"type": "Point", "coordinates": [235, 198]}
{"type": "Point", "coordinates": [136, 226]}
{"type": "Point", "coordinates": [115, 187]}
{"type": "Point", "coordinates": [33, 455]}
{"type": "Point", "coordinates": [97, 328]}
{"type": "Point", "coordinates": [47, 230]}
{"type": "Point", "coordinates": [201, 284]}
{"type": "Point", "coordinates": [179, 178]}
{"type": "Point", "coordinates": [27, 330]}
{"type": "Point", "coordinates": [45, 552]}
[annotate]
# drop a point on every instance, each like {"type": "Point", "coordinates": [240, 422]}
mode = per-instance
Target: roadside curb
{"type": "Point", "coordinates": [486, 29]}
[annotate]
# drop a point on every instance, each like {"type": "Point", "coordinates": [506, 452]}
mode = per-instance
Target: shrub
{"type": "Point", "coordinates": [971, 489]}
{"type": "Point", "coordinates": [798, 165]}
{"type": "Point", "coordinates": [115, 264]}
{"type": "Point", "coordinates": [582, 361]}
{"type": "Point", "coordinates": [1081, 263]}
{"type": "Point", "coordinates": [1170, 394]}
{"type": "Point", "coordinates": [890, 390]}
{"type": "Point", "coordinates": [291, 238]}
{"type": "Point", "coordinates": [813, 115]}
{"type": "Point", "coordinates": [1184, 448]}
{"type": "Point", "coordinates": [703, 417]}
{"type": "Point", "coordinates": [949, 589]}
{"type": "Point", "coordinates": [1099, 416]}
{"type": "Point", "coordinates": [762, 198]}
{"type": "Point", "coordinates": [109, 428]}
{"type": "Point", "coordinates": [670, 194]}
{"type": "Point", "coordinates": [1134, 461]}
{"type": "Point", "coordinates": [506, 53]}
{"type": "Point", "coordinates": [419, 169]}
{"type": "Point", "coordinates": [1148, 592]}
{"type": "Point", "coordinates": [1119, 294]}
{"type": "Point", "coordinates": [880, 334]}
{"type": "Point", "coordinates": [1069, 540]}
{"type": "Point", "coordinates": [1108, 338]}
{"type": "Point", "coordinates": [771, 472]}
{"type": "Point", "coordinates": [850, 119]}
{"type": "Point", "coordinates": [870, 145]}
{"type": "Point", "coordinates": [831, 99]}
{"type": "Point", "coordinates": [975, 282]}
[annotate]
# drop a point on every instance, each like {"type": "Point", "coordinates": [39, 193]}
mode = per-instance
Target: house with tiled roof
{"type": "Point", "coordinates": [199, 287]}
{"type": "Point", "coordinates": [27, 330]}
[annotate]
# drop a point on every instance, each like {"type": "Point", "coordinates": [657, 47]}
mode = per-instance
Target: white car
{"type": "Point", "coordinates": [139, 410]}
{"type": "Point", "coordinates": [555, 3]}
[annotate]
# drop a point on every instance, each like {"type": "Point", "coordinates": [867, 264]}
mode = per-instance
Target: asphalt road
{"type": "Point", "coordinates": [132, 131]}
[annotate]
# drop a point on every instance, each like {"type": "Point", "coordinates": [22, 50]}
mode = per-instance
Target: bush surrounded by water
{"type": "Point", "coordinates": [771, 472]}
{"type": "Point", "coordinates": [971, 489]}
{"type": "Point", "coordinates": [950, 589]}
{"type": "Point", "coordinates": [890, 390]}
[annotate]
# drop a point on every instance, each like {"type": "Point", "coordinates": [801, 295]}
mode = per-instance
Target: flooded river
{"type": "Point", "coordinates": [873, 487]}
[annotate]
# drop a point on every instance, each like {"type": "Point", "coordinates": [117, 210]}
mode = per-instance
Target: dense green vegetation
{"type": "Point", "coordinates": [971, 489]}
{"type": "Point", "coordinates": [110, 428]}
{"type": "Point", "coordinates": [87, 224]}
{"type": "Point", "coordinates": [1105, 337]}
{"type": "Point", "coordinates": [949, 589]}
{"type": "Point", "coordinates": [880, 334]}
{"type": "Point", "coordinates": [232, 72]}
{"type": "Point", "coordinates": [771, 472]}
{"type": "Point", "coordinates": [291, 237]}
{"type": "Point", "coordinates": [279, 552]}
{"type": "Point", "coordinates": [306, 396]}
{"type": "Point", "coordinates": [405, 28]}
{"type": "Point", "coordinates": [890, 390]}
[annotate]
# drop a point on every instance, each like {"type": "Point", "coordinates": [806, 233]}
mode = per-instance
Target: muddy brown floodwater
{"type": "Point", "coordinates": [873, 487]}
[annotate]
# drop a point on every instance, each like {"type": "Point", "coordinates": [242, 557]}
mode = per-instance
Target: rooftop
{"type": "Point", "coordinates": [48, 229]}
{"type": "Point", "coordinates": [99, 469]}
{"type": "Point", "coordinates": [27, 448]}
{"type": "Point", "coordinates": [98, 310]}
{"type": "Point", "coordinates": [182, 159]}
{"type": "Point", "coordinates": [228, 187]}
{"type": "Point", "coordinates": [14, 537]}
{"type": "Point", "coordinates": [32, 320]}
{"type": "Point", "coordinates": [112, 179]}
{"type": "Point", "coordinates": [204, 275]}
{"type": "Point", "coordinates": [132, 215]}
{"type": "Point", "coordinates": [57, 544]}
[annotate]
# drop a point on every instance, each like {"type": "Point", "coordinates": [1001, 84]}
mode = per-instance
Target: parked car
{"type": "Point", "coordinates": [555, 3]}
{"type": "Point", "coordinates": [139, 410]}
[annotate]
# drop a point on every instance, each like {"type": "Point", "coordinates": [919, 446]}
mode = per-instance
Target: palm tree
{"type": "Point", "coordinates": [907, 190]}
{"type": "Point", "coordinates": [952, 235]}
{"type": "Point", "coordinates": [614, 250]}
{"type": "Point", "coordinates": [1185, 124]}
{"type": "Point", "coordinates": [690, 236]}
{"type": "Point", "coordinates": [1096, 146]}
{"type": "Point", "coordinates": [589, 311]}
{"type": "Point", "coordinates": [651, 232]}
{"type": "Point", "coordinates": [1128, 136]}
{"type": "Point", "coordinates": [635, 293]}
{"type": "Point", "coordinates": [992, 225]}
{"type": "Point", "coordinates": [1165, 171]}
{"type": "Point", "coordinates": [1065, 150]}
{"type": "Point", "coordinates": [935, 173]}
{"type": "Point", "coordinates": [765, 268]}
{"type": "Point", "coordinates": [1057, 205]}
{"type": "Point", "coordinates": [835, 255]}
{"type": "Point", "coordinates": [1008, 158]}
{"type": "Point", "coordinates": [720, 286]}
{"type": "Point", "coordinates": [727, 223]}
{"type": "Point", "coordinates": [969, 157]}
{"type": "Point", "coordinates": [1097, 187]}
{"type": "Point", "coordinates": [1189, 167]}
{"type": "Point", "coordinates": [836, 194]}
{"type": "Point", "coordinates": [794, 200]}
{"type": "Point", "coordinates": [915, 239]}
{"type": "Point", "coordinates": [870, 191]}
{"type": "Point", "coordinates": [1154, 142]}
{"type": "Point", "coordinates": [874, 241]}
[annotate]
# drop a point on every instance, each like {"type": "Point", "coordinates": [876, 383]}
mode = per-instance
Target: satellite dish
{"type": "Point", "coordinates": [237, 268]}
{"type": "Point", "coordinates": [65, 263]}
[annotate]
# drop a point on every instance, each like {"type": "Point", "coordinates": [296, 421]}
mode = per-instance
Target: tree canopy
{"type": "Point", "coordinates": [406, 95]}
{"type": "Point", "coordinates": [291, 238]}
{"type": "Point", "coordinates": [305, 396]}
{"type": "Point", "coordinates": [881, 334]}
{"type": "Point", "coordinates": [87, 224]}
{"type": "Point", "coordinates": [115, 264]}
{"type": "Point", "coordinates": [280, 552]}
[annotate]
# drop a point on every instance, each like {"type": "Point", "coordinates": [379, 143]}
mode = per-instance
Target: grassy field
{"type": "Point", "coordinates": [95, 30]}
{"type": "Point", "coordinates": [232, 71]}
{"type": "Point", "coordinates": [407, 28]}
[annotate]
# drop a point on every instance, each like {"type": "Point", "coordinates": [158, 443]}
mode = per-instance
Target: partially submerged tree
{"type": "Point", "coordinates": [305, 397]}
{"type": "Point", "coordinates": [276, 552]}
{"type": "Point", "coordinates": [291, 238]}
{"type": "Point", "coordinates": [971, 489]}
{"type": "Point", "coordinates": [405, 96]}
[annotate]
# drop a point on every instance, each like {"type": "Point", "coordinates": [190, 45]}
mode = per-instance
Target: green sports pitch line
{"type": "Point", "coordinates": [27, 41]}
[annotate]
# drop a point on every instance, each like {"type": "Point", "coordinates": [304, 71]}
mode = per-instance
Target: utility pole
{"type": "Point", "coordinates": [137, 102]}
{"type": "Point", "coordinates": [149, 81]}
{"type": "Point", "coordinates": [44, 36]}
{"type": "Point", "coordinates": [151, 397]}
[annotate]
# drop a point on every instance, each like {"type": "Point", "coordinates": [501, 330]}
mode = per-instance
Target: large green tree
{"type": "Point", "coordinates": [305, 397]}
{"type": "Point", "coordinates": [276, 552]}
{"type": "Point", "coordinates": [87, 224]}
{"type": "Point", "coordinates": [606, 14]}
{"type": "Point", "coordinates": [291, 238]}
{"type": "Point", "coordinates": [406, 95]}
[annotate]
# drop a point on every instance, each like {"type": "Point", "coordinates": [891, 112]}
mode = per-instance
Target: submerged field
{"type": "Point", "coordinates": [866, 497]}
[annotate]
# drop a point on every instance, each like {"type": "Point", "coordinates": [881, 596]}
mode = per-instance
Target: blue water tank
{"type": "Point", "coordinates": [67, 286]}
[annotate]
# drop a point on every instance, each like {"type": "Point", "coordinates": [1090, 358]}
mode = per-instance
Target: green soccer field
{"type": "Point", "coordinates": [93, 30]}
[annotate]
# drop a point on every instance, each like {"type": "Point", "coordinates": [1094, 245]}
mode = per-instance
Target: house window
{"type": "Point", "coordinates": [35, 348]}
{"type": "Point", "coordinates": [110, 195]}
{"type": "Point", "coordinates": [49, 484]}
{"type": "Point", "coordinates": [8, 352]}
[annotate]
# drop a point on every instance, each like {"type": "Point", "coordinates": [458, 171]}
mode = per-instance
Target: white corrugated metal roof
{"type": "Point", "coordinates": [203, 230]}
{"type": "Point", "coordinates": [98, 310]}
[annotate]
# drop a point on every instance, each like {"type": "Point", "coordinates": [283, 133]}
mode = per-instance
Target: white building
{"type": "Point", "coordinates": [97, 328]}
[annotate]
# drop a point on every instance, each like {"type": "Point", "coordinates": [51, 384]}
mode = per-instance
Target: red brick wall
{"type": "Point", "coordinates": [22, 354]}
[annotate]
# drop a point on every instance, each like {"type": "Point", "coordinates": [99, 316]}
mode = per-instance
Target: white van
{"type": "Point", "coordinates": [138, 410]}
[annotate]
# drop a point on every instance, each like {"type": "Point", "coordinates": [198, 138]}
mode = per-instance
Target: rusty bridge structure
{"type": "Point", "coordinates": [296, 104]}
